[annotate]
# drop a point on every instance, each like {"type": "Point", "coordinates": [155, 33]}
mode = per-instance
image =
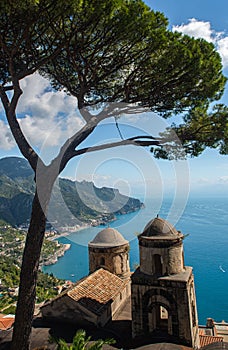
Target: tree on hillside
{"type": "Point", "coordinates": [117, 55]}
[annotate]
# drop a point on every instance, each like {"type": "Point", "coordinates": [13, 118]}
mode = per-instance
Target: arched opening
{"type": "Point", "coordinates": [160, 314]}
{"type": "Point", "coordinates": [102, 261]}
{"type": "Point", "coordinates": [159, 319]}
{"type": "Point", "coordinates": [164, 316]}
{"type": "Point", "coordinates": [157, 264]}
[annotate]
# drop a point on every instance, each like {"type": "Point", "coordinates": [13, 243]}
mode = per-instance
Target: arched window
{"type": "Point", "coordinates": [159, 319]}
{"type": "Point", "coordinates": [102, 261]}
{"type": "Point", "coordinates": [157, 264]}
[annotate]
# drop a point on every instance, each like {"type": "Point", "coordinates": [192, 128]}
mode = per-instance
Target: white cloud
{"type": "Point", "coordinates": [222, 45]}
{"type": "Point", "coordinates": [39, 131]}
{"type": "Point", "coordinates": [202, 29]}
{"type": "Point", "coordinates": [94, 177]}
{"type": "Point", "coordinates": [6, 139]}
{"type": "Point", "coordinates": [203, 181]}
{"type": "Point", "coordinates": [214, 181]}
{"type": "Point", "coordinates": [197, 29]}
{"type": "Point", "coordinates": [223, 179]}
{"type": "Point", "coordinates": [47, 117]}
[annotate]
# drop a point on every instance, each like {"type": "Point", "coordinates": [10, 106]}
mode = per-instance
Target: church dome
{"type": "Point", "coordinates": [160, 228]}
{"type": "Point", "coordinates": [109, 237]}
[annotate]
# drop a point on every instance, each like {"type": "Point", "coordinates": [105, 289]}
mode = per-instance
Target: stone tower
{"type": "Point", "coordinates": [163, 293]}
{"type": "Point", "coordinates": [110, 251]}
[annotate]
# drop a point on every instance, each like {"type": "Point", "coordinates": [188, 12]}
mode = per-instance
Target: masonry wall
{"type": "Point", "coordinates": [178, 297]}
{"type": "Point", "coordinates": [66, 309]}
{"type": "Point", "coordinates": [114, 259]}
{"type": "Point", "coordinates": [170, 253]}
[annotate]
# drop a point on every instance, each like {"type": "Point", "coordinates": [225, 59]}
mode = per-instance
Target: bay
{"type": "Point", "coordinates": [205, 223]}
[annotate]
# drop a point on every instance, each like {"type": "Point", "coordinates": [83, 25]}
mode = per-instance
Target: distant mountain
{"type": "Point", "coordinates": [15, 167]}
{"type": "Point", "coordinates": [72, 203]}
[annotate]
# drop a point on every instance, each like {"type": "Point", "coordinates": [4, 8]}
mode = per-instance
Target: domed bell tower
{"type": "Point", "coordinates": [109, 250]}
{"type": "Point", "coordinates": [163, 293]}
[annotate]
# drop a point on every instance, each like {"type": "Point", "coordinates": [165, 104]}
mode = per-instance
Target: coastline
{"type": "Point", "coordinates": [58, 254]}
{"type": "Point", "coordinates": [67, 231]}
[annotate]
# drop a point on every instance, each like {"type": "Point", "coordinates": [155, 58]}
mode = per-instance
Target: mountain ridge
{"type": "Point", "coordinates": [72, 202]}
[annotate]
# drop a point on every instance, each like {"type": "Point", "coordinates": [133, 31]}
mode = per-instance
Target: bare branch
{"type": "Point", "coordinates": [134, 141]}
{"type": "Point", "coordinates": [110, 110]}
{"type": "Point", "coordinates": [8, 88]}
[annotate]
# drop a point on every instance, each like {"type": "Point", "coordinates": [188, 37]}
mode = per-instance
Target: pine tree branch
{"type": "Point", "coordinates": [134, 141]}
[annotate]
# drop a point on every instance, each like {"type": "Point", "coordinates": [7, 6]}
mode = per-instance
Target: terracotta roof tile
{"type": "Point", "coordinates": [97, 290]}
{"type": "Point", "coordinates": [209, 339]}
{"type": "Point", "coordinates": [6, 323]}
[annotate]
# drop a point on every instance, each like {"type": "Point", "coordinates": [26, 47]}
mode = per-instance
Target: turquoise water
{"type": "Point", "coordinates": [206, 248]}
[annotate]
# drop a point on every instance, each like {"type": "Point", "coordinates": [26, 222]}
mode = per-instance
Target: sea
{"type": "Point", "coordinates": [203, 221]}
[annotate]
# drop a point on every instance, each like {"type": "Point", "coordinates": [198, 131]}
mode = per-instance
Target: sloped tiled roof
{"type": "Point", "coordinates": [209, 339]}
{"type": "Point", "coordinates": [6, 323]}
{"type": "Point", "coordinates": [97, 290]}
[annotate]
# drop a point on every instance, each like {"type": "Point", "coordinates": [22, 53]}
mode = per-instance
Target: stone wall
{"type": "Point", "coordinates": [113, 259]}
{"type": "Point", "coordinates": [176, 294]}
{"type": "Point", "coordinates": [66, 309]}
{"type": "Point", "coordinates": [170, 255]}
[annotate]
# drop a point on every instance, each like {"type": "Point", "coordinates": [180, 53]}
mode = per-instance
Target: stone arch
{"type": "Point", "coordinates": [102, 261]}
{"type": "Point", "coordinates": [155, 320]}
{"type": "Point", "coordinates": [152, 301]}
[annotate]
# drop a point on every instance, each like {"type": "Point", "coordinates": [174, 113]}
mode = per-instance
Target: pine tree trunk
{"type": "Point", "coordinates": [28, 278]}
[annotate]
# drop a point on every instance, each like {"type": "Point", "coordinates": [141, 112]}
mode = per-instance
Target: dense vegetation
{"type": "Point", "coordinates": [10, 277]}
{"type": "Point", "coordinates": [11, 248]}
{"type": "Point", "coordinates": [12, 244]}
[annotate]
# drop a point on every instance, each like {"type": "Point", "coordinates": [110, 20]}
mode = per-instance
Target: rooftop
{"type": "Point", "coordinates": [182, 277]}
{"type": "Point", "coordinates": [6, 323]}
{"type": "Point", "coordinates": [209, 339]}
{"type": "Point", "coordinates": [109, 237]}
{"type": "Point", "coordinates": [160, 229]}
{"type": "Point", "coordinates": [94, 292]}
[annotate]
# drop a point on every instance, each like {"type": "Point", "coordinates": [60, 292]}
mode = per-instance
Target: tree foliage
{"type": "Point", "coordinates": [199, 130]}
{"type": "Point", "coordinates": [128, 55]}
{"type": "Point", "coordinates": [81, 342]}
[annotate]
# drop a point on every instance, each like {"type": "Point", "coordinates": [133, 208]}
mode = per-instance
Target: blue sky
{"type": "Point", "coordinates": [48, 117]}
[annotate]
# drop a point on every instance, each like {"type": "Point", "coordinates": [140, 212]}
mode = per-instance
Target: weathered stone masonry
{"type": "Point", "coordinates": [162, 292]}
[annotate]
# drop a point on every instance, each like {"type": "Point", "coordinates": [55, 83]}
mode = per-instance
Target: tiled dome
{"type": "Point", "coordinates": [109, 237]}
{"type": "Point", "coordinates": [159, 227]}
